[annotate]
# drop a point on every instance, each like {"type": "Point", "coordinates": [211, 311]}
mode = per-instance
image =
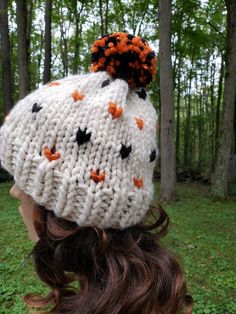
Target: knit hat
{"type": "Point", "coordinates": [85, 146]}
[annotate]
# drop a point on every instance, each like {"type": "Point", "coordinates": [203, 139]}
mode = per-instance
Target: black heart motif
{"type": "Point", "coordinates": [125, 151]}
{"type": "Point", "coordinates": [105, 83]}
{"type": "Point", "coordinates": [82, 137]}
{"type": "Point", "coordinates": [142, 94]}
{"type": "Point", "coordinates": [36, 108]}
{"type": "Point", "coordinates": [153, 155]}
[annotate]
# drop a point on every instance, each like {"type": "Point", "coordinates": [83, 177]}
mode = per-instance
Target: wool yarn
{"type": "Point", "coordinates": [85, 146]}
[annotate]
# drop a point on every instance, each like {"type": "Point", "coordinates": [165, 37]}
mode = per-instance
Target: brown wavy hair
{"type": "Point", "coordinates": [119, 271]}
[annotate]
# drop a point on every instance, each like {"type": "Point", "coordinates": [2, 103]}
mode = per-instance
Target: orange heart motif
{"type": "Point", "coordinates": [53, 84]}
{"type": "Point", "coordinates": [138, 182]}
{"type": "Point", "coordinates": [114, 110]}
{"type": "Point", "coordinates": [51, 154]}
{"type": "Point", "coordinates": [96, 176]}
{"type": "Point", "coordinates": [77, 96]}
{"type": "Point", "coordinates": [140, 123]}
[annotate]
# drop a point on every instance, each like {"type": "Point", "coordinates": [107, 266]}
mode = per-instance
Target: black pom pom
{"type": "Point", "coordinates": [151, 55]}
{"type": "Point", "coordinates": [142, 94]}
{"type": "Point", "coordinates": [125, 151]}
{"type": "Point", "coordinates": [105, 83]}
{"type": "Point", "coordinates": [111, 40]}
{"type": "Point", "coordinates": [82, 137]}
{"type": "Point", "coordinates": [153, 155]}
{"type": "Point", "coordinates": [130, 37]}
{"type": "Point", "coordinates": [36, 108]}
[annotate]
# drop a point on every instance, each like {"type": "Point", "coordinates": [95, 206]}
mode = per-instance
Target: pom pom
{"type": "Point", "coordinates": [124, 56]}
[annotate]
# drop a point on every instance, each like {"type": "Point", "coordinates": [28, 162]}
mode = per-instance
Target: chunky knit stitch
{"type": "Point", "coordinates": [84, 147]}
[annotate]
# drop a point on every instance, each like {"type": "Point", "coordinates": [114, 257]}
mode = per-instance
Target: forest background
{"type": "Point", "coordinates": [195, 42]}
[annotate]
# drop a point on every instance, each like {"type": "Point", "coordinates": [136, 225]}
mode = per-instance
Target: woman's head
{"type": "Point", "coordinates": [120, 271]}
{"type": "Point", "coordinates": [82, 152]}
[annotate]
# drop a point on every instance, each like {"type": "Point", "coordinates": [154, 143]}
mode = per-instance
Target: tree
{"type": "Point", "coordinates": [217, 117]}
{"type": "Point", "coordinates": [48, 42]}
{"type": "Point", "coordinates": [220, 177]}
{"type": "Point", "coordinates": [5, 57]}
{"type": "Point", "coordinates": [104, 23]}
{"type": "Point", "coordinates": [168, 175]}
{"type": "Point", "coordinates": [23, 55]}
{"type": "Point", "coordinates": [77, 15]}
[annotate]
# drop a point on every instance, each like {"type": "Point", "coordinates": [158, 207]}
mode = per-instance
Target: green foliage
{"type": "Point", "coordinates": [202, 234]}
{"type": "Point", "coordinates": [17, 276]}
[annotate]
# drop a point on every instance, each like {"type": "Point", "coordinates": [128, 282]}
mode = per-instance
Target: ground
{"type": "Point", "coordinates": [202, 234]}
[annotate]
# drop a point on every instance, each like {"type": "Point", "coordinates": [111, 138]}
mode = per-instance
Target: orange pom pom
{"type": "Point", "coordinates": [124, 56]}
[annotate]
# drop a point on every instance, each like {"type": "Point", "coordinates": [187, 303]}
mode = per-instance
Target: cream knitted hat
{"type": "Point", "coordinates": [85, 146]}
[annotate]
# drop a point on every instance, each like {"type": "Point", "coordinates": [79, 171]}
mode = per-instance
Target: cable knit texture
{"type": "Point", "coordinates": [84, 147]}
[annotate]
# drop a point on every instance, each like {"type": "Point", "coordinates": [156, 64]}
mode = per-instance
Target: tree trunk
{"type": "Point", "coordinates": [30, 9]}
{"type": "Point", "coordinates": [234, 146]}
{"type": "Point", "coordinates": [121, 9]}
{"type": "Point", "coordinates": [221, 174]}
{"type": "Point", "coordinates": [200, 131]}
{"type": "Point", "coordinates": [168, 164]}
{"type": "Point", "coordinates": [178, 116]}
{"type": "Point", "coordinates": [140, 24]}
{"type": "Point", "coordinates": [106, 22]}
{"type": "Point", "coordinates": [21, 20]}
{"type": "Point", "coordinates": [187, 148]}
{"type": "Point", "coordinates": [212, 120]}
{"type": "Point", "coordinates": [101, 18]}
{"type": "Point", "coordinates": [39, 57]}
{"type": "Point", "coordinates": [5, 57]}
{"type": "Point", "coordinates": [217, 123]}
{"type": "Point", "coordinates": [48, 42]}
{"type": "Point", "coordinates": [78, 31]}
{"type": "Point", "coordinates": [14, 65]}
{"type": "Point", "coordinates": [63, 43]}
{"type": "Point", "coordinates": [77, 45]}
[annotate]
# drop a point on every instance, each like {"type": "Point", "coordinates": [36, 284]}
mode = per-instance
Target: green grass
{"type": "Point", "coordinates": [202, 234]}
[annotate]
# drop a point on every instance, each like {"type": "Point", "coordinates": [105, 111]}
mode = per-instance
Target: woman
{"type": "Point", "coordinates": [82, 152]}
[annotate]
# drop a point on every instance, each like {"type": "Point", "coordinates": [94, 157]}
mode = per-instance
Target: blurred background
{"type": "Point", "coordinates": [194, 93]}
